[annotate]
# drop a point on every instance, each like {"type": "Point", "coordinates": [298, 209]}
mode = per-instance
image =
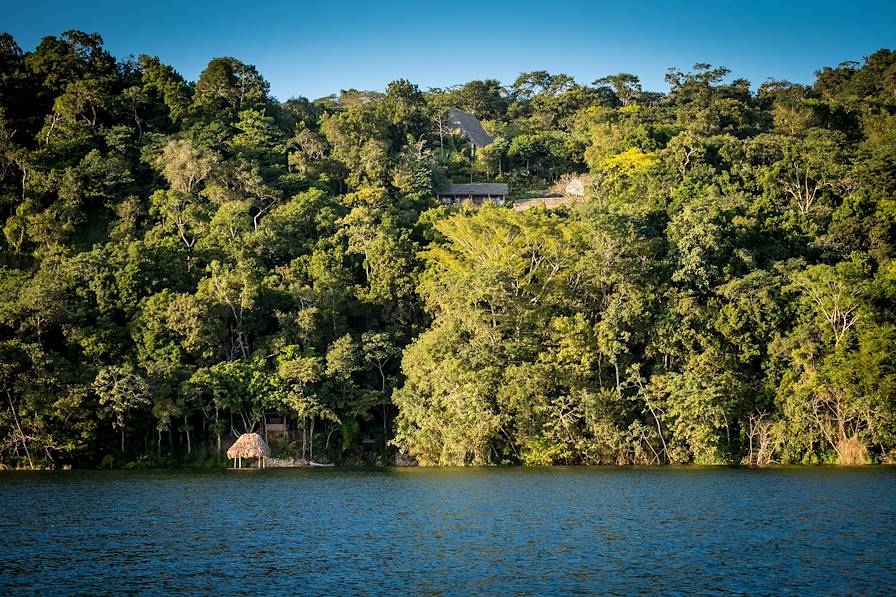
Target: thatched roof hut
{"type": "Point", "coordinates": [469, 126]}
{"type": "Point", "coordinates": [249, 445]}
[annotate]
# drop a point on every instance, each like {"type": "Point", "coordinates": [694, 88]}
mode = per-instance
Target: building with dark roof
{"type": "Point", "coordinates": [478, 193]}
{"type": "Point", "coordinates": [469, 126]}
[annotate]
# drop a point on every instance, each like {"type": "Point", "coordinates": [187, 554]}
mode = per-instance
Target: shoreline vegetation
{"type": "Point", "coordinates": [224, 465]}
{"type": "Point", "coordinates": [703, 275]}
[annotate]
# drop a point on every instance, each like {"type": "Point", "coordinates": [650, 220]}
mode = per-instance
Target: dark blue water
{"type": "Point", "coordinates": [451, 532]}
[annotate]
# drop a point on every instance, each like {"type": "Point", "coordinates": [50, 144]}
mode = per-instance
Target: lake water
{"type": "Point", "coordinates": [451, 531]}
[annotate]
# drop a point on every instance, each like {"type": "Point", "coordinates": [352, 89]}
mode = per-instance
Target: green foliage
{"type": "Point", "coordinates": [181, 262]}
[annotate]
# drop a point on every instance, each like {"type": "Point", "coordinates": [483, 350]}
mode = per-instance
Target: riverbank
{"type": "Point", "coordinates": [275, 463]}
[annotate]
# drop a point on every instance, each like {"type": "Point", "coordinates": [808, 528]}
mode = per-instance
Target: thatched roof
{"type": "Point", "coordinates": [476, 188]}
{"type": "Point", "coordinates": [249, 445]}
{"type": "Point", "coordinates": [469, 125]}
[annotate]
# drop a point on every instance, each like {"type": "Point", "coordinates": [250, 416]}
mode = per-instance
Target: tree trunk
{"type": "Point", "coordinates": [332, 429]}
{"type": "Point", "coordinates": [15, 417]}
{"type": "Point", "coordinates": [385, 406]}
{"type": "Point", "coordinates": [618, 389]}
{"type": "Point", "coordinates": [304, 437]}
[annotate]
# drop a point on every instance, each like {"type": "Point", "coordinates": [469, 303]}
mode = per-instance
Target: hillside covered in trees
{"type": "Point", "coordinates": [181, 259]}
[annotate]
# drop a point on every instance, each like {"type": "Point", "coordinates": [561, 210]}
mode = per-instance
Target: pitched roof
{"type": "Point", "coordinates": [249, 445]}
{"type": "Point", "coordinates": [476, 188]}
{"type": "Point", "coordinates": [469, 126]}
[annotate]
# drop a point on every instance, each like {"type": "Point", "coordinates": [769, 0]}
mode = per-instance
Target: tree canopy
{"type": "Point", "coordinates": [180, 259]}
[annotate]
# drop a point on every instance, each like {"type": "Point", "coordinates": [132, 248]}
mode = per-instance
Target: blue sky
{"type": "Point", "coordinates": [314, 49]}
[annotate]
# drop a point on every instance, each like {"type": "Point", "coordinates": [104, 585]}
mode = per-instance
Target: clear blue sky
{"type": "Point", "coordinates": [314, 49]}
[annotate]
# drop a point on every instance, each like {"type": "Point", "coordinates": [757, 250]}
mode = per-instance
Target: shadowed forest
{"type": "Point", "coordinates": [184, 261]}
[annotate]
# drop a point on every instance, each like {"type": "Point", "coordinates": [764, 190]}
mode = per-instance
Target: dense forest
{"type": "Point", "coordinates": [182, 259]}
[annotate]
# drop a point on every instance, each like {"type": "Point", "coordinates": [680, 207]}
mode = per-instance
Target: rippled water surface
{"type": "Point", "coordinates": [452, 532]}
